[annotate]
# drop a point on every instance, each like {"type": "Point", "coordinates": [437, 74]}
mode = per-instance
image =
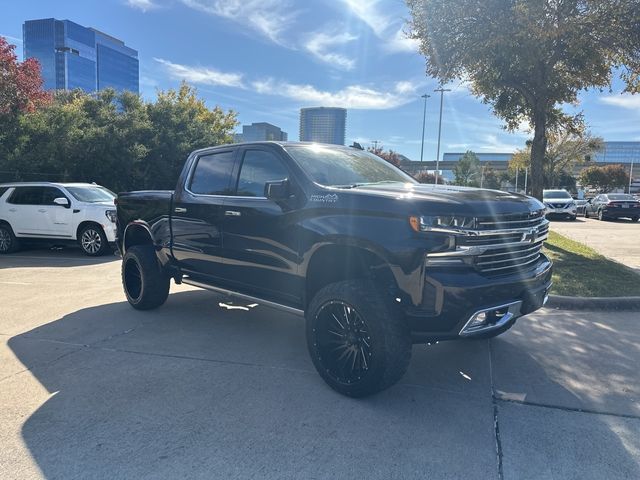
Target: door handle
{"type": "Point", "coordinates": [232, 213]}
{"type": "Point", "coordinates": [180, 210]}
{"type": "Point", "coordinates": [13, 209]}
{"type": "Point", "coordinates": [42, 210]}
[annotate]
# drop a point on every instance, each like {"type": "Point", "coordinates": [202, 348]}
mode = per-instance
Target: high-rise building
{"type": "Point", "coordinates": [72, 56]}
{"type": "Point", "coordinates": [259, 132]}
{"type": "Point", "coordinates": [323, 125]}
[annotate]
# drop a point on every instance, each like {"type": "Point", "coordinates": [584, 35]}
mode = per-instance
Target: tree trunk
{"type": "Point", "coordinates": [538, 149]}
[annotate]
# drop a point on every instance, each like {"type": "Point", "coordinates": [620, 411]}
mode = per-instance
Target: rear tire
{"type": "Point", "coordinates": [8, 241]}
{"type": "Point", "coordinates": [359, 344]}
{"type": "Point", "coordinates": [93, 241]}
{"type": "Point", "coordinates": [601, 216]}
{"type": "Point", "coordinates": [145, 284]}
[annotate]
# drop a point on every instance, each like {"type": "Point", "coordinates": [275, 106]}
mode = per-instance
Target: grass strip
{"type": "Point", "coordinates": [580, 271]}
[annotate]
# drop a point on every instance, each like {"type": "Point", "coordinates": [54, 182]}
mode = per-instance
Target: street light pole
{"type": "Point", "coordinates": [441, 90]}
{"type": "Point", "coordinates": [424, 118]}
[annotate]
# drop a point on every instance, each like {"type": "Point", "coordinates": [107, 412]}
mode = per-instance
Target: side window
{"type": "Point", "coordinates": [258, 168]}
{"type": "Point", "coordinates": [51, 193]}
{"type": "Point", "coordinates": [212, 174]}
{"type": "Point", "coordinates": [3, 190]}
{"type": "Point", "coordinates": [27, 196]}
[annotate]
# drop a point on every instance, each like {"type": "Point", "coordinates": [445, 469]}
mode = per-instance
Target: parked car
{"type": "Point", "coordinates": [57, 213]}
{"type": "Point", "coordinates": [613, 205]}
{"type": "Point", "coordinates": [559, 204]}
{"type": "Point", "coordinates": [373, 259]}
{"type": "Point", "coordinates": [581, 207]}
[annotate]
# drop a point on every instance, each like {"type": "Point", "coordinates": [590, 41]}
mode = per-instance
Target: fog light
{"type": "Point", "coordinates": [479, 320]}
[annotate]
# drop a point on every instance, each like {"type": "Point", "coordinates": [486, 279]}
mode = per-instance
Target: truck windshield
{"type": "Point", "coordinates": [92, 194]}
{"type": "Point", "coordinates": [344, 167]}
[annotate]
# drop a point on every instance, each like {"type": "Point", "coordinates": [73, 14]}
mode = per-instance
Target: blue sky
{"type": "Point", "coordinates": [266, 59]}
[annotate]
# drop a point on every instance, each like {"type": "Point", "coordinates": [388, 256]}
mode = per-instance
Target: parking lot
{"type": "Point", "coordinates": [91, 388]}
{"type": "Point", "coordinates": [616, 239]}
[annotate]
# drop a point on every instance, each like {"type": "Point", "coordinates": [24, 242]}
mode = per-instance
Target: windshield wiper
{"type": "Point", "coordinates": [364, 184]}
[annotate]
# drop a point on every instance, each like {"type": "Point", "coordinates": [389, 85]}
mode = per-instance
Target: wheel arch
{"type": "Point", "coordinates": [337, 262]}
{"type": "Point", "coordinates": [86, 223]}
{"type": "Point", "coordinates": [136, 234]}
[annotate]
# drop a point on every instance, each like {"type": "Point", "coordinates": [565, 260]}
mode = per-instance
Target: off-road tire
{"type": "Point", "coordinates": [387, 337]}
{"type": "Point", "coordinates": [9, 243]}
{"type": "Point", "coordinates": [145, 284]}
{"type": "Point", "coordinates": [93, 241]}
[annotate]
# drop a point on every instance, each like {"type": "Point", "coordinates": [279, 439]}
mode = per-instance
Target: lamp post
{"type": "Point", "coordinates": [424, 118]}
{"type": "Point", "coordinates": [441, 90]}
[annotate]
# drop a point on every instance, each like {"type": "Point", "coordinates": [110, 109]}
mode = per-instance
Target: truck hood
{"type": "Point", "coordinates": [448, 199]}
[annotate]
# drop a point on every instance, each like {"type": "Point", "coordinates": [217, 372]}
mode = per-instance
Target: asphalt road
{"type": "Point", "coordinates": [90, 388]}
{"type": "Point", "coordinates": [616, 239]}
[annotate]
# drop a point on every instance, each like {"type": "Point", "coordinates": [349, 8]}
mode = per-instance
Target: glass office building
{"type": "Point", "coordinates": [323, 125]}
{"type": "Point", "coordinates": [619, 152]}
{"type": "Point", "coordinates": [259, 132]}
{"type": "Point", "coordinates": [72, 56]}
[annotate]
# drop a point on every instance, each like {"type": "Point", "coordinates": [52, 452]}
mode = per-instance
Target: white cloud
{"type": "Point", "coordinates": [352, 96]}
{"type": "Point", "coordinates": [626, 100]}
{"type": "Point", "coordinates": [268, 17]}
{"type": "Point", "coordinates": [143, 5]}
{"type": "Point", "coordinates": [493, 144]}
{"type": "Point", "coordinates": [319, 44]}
{"type": "Point", "coordinates": [202, 75]}
{"type": "Point", "coordinates": [368, 12]}
{"type": "Point", "coordinates": [386, 25]}
{"type": "Point", "coordinates": [400, 42]}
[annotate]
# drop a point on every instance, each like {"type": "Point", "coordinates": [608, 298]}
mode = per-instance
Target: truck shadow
{"type": "Point", "coordinates": [194, 390]}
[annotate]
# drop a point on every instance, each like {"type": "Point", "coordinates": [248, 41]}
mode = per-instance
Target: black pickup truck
{"type": "Point", "coordinates": [374, 260]}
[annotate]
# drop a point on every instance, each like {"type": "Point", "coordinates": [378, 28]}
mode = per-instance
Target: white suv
{"type": "Point", "coordinates": [559, 203]}
{"type": "Point", "coordinates": [57, 213]}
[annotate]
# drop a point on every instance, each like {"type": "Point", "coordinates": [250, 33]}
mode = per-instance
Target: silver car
{"type": "Point", "coordinates": [559, 204]}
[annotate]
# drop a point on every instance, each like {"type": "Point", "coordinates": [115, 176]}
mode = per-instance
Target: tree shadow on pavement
{"type": "Point", "coordinates": [195, 391]}
{"type": "Point", "coordinates": [53, 257]}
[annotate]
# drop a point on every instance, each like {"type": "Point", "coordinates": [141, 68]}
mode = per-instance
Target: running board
{"type": "Point", "coordinates": [242, 296]}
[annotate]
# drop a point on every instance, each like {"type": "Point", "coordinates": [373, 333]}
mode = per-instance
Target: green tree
{"type": "Point", "coordinates": [489, 178]}
{"type": "Point", "coordinates": [526, 58]}
{"type": "Point", "coordinates": [466, 171]}
{"type": "Point", "coordinates": [565, 150]}
{"type": "Point", "coordinates": [181, 122]}
{"type": "Point", "coordinates": [605, 178]}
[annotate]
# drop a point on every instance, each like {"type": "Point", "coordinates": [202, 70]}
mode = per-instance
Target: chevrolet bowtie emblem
{"type": "Point", "coordinates": [530, 236]}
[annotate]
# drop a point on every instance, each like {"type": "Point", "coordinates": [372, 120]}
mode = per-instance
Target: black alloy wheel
{"type": "Point", "coordinates": [343, 342]}
{"type": "Point", "coordinates": [358, 340]}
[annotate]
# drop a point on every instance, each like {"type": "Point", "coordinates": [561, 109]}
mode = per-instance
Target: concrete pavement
{"type": "Point", "coordinates": [91, 388]}
{"type": "Point", "coordinates": [618, 240]}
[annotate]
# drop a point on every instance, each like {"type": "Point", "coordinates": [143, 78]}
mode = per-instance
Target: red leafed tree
{"type": "Point", "coordinates": [390, 156]}
{"type": "Point", "coordinates": [20, 83]}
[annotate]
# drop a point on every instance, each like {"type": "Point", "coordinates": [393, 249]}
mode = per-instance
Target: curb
{"type": "Point", "coordinates": [594, 303]}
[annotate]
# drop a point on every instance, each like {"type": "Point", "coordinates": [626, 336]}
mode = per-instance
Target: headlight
{"type": "Point", "coordinates": [441, 222]}
{"type": "Point", "coordinates": [571, 205]}
{"type": "Point", "coordinates": [111, 215]}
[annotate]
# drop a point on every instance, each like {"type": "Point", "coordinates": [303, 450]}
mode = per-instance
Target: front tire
{"type": "Point", "coordinates": [8, 241]}
{"type": "Point", "coordinates": [93, 241]}
{"type": "Point", "coordinates": [145, 284]}
{"type": "Point", "coordinates": [359, 344]}
{"type": "Point", "coordinates": [601, 216]}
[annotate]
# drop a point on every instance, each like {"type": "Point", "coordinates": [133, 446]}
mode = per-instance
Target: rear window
{"type": "Point", "coordinates": [212, 174]}
{"type": "Point", "coordinates": [621, 196]}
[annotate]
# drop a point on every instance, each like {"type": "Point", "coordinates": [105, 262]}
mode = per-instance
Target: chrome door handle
{"type": "Point", "coordinates": [232, 213]}
{"type": "Point", "coordinates": [180, 210]}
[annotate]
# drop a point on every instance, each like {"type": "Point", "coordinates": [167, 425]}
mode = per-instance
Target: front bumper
{"type": "Point", "coordinates": [109, 230]}
{"type": "Point", "coordinates": [570, 212]}
{"type": "Point", "coordinates": [452, 297]}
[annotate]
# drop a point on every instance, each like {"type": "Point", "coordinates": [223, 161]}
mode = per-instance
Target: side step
{"type": "Point", "coordinates": [242, 296]}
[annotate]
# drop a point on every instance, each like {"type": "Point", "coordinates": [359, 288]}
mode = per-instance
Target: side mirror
{"type": "Point", "coordinates": [278, 190]}
{"type": "Point", "coordinates": [63, 202]}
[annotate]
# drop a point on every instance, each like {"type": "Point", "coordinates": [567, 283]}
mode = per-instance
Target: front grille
{"type": "Point", "coordinates": [506, 259]}
{"type": "Point", "coordinates": [507, 251]}
{"type": "Point", "coordinates": [558, 205]}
